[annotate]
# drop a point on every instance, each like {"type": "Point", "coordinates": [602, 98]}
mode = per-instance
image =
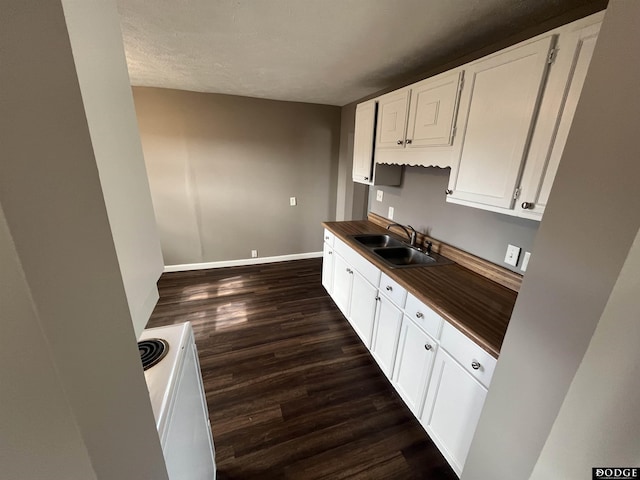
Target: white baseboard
{"type": "Point", "coordinates": [243, 261]}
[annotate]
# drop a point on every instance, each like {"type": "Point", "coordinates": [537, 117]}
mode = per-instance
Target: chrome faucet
{"type": "Point", "coordinates": [411, 235]}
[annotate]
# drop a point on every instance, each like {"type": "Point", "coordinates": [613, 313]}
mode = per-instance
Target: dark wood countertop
{"type": "Point", "coordinates": [474, 304]}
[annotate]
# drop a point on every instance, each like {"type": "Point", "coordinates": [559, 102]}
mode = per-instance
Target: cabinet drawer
{"type": "Point", "coordinates": [470, 355]}
{"type": "Point", "coordinates": [424, 317]}
{"type": "Point", "coordinates": [392, 290]}
{"type": "Point", "coordinates": [328, 237]}
{"type": "Point", "coordinates": [363, 266]}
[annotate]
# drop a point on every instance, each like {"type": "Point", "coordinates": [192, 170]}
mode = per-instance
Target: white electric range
{"type": "Point", "coordinates": [179, 404]}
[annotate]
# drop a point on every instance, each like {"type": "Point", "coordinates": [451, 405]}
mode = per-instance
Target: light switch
{"type": "Point", "coordinates": [390, 213]}
{"type": "Point", "coordinates": [292, 201]}
{"type": "Point", "coordinates": [379, 195]}
{"type": "Point", "coordinates": [513, 253]}
{"type": "Point", "coordinates": [525, 261]}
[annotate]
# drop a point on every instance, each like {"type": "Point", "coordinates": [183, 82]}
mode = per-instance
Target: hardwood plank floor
{"type": "Point", "coordinates": [292, 392]}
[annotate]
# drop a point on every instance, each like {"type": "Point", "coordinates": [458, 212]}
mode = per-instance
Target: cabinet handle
{"type": "Point", "coordinates": [427, 346]}
{"type": "Point", "coordinates": [389, 288]}
{"type": "Point", "coordinates": [475, 365]}
{"type": "Point", "coordinates": [330, 253]}
{"type": "Point", "coordinates": [377, 299]}
{"type": "Point", "coordinates": [408, 141]}
{"type": "Point", "coordinates": [419, 315]}
{"type": "Point", "coordinates": [527, 205]}
{"type": "Point", "coordinates": [366, 178]}
{"type": "Point", "coordinates": [399, 142]}
{"type": "Point", "coordinates": [448, 191]}
{"type": "Point", "coordinates": [326, 238]}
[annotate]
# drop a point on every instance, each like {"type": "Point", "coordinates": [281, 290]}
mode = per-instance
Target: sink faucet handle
{"type": "Point", "coordinates": [429, 246]}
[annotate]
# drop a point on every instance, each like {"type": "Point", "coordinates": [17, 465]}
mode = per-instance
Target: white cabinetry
{"type": "Point", "coordinates": [452, 409]}
{"type": "Point", "coordinates": [497, 112]}
{"type": "Point", "coordinates": [364, 168]}
{"type": "Point", "coordinates": [342, 283]}
{"type": "Point", "coordinates": [440, 373]}
{"type": "Point", "coordinates": [416, 124]}
{"type": "Point", "coordinates": [363, 308]}
{"type": "Point", "coordinates": [327, 262]}
{"type": "Point", "coordinates": [391, 301]}
{"type": "Point", "coordinates": [386, 332]}
{"type": "Point", "coordinates": [414, 360]}
{"type": "Point", "coordinates": [392, 119]}
{"type": "Point", "coordinates": [461, 375]}
{"type": "Point", "coordinates": [512, 142]}
{"type": "Point", "coordinates": [564, 86]}
{"type": "Point", "coordinates": [355, 286]}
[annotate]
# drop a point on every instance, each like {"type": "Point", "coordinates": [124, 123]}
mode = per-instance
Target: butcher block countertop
{"type": "Point", "coordinates": [477, 306]}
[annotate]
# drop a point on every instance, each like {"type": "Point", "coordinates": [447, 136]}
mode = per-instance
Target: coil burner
{"type": "Point", "coordinates": [152, 351]}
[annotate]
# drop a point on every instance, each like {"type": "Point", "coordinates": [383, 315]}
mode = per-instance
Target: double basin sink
{"type": "Point", "coordinates": [398, 254]}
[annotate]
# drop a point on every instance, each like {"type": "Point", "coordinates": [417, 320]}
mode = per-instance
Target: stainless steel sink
{"type": "Point", "coordinates": [404, 256]}
{"type": "Point", "coordinates": [396, 253]}
{"type": "Point", "coordinates": [375, 240]}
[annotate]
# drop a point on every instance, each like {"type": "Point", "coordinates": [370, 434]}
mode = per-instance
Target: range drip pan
{"type": "Point", "coordinates": [152, 351]}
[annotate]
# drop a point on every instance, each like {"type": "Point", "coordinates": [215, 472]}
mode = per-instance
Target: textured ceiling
{"type": "Point", "coordinates": [317, 51]}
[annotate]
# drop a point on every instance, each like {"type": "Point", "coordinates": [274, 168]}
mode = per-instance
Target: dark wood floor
{"type": "Point", "coordinates": [292, 392]}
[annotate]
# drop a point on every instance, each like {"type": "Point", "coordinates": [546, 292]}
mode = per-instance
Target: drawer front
{"type": "Point", "coordinates": [424, 317]}
{"type": "Point", "coordinates": [328, 237]}
{"type": "Point", "coordinates": [363, 266]}
{"type": "Point", "coordinates": [392, 290]}
{"type": "Point", "coordinates": [471, 356]}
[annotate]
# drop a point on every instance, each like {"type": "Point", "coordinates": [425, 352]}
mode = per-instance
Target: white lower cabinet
{"type": "Point", "coordinates": [385, 336]}
{"type": "Point", "coordinates": [452, 409]}
{"type": "Point", "coordinates": [363, 308]}
{"type": "Point", "coordinates": [416, 351]}
{"type": "Point", "coordinates": [440, 373]}
{"type": "Point", "coordinates": [342, 283]}
{"type": "Point", "coordinates": [327, 268]}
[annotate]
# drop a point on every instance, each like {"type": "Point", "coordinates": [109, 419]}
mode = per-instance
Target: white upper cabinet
{"type": "Point", "coordinates": [392, 119]}
{"type": "Point", "coordinates": [432, 111]}
{"type": "Point", "coordinates": [363, 142]}
{"type": "Point", "coordinates": [511, 145]}
{"type": "Point", "coordinates": [364, 168]}
{"type": "Point", "coordinates": [556, 114]}
{"type": "Point", "coordinates": [497, 112]}
{"type": "Point", "coordinates": [416, 124]}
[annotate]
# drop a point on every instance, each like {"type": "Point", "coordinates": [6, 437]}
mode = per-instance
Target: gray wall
{"type": "Point", "coordinates": [55, 214]}
{"type": "Point", "coordinates": [101, 67]}
{"type": "Point", "coordinates": [581, 246]}
{"type": "Point", "coordinates": [222, 168]}
{"type": "Point", "coordinates": [420, 202]}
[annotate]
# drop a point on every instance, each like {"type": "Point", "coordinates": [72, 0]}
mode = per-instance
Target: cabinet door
{"type": "Point", "coordinates": [392, 119]}
{"type": "Point", "coordinates": [363, 308]}
{"type": "Point", "coordinates": [416, 351]}
{"type": "Point", "coordinates": [537, 183]}
{"type": "Point", "coordinates": [363, 142]}
{"type": "Point", "coordinates": [452, 409]}
{"type": "Point", "coordinates": [327, 268]}
{"type": "Point", "coordinates": [385, 337]}
{"type": "Point", "coordinates": [432, 111]}
{"type": "Point", "coordinates": [342, 279]}
{"type": "Point", "coordinates": [497, 112]}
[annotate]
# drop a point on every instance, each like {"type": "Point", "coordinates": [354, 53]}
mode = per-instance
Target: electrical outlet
{"type": "Point", "coordinates": [379, 195]}
{"type": "Point", "coordinates": [513, 253]}
{"type": "Point", "coordinates": [254, 253]}
{"type": "Point", "coordinates": [525, 261]}
{"type": "Point", "coordinates": [390, 213]}
{"type": "Point", "coordinates": [292, 201]}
